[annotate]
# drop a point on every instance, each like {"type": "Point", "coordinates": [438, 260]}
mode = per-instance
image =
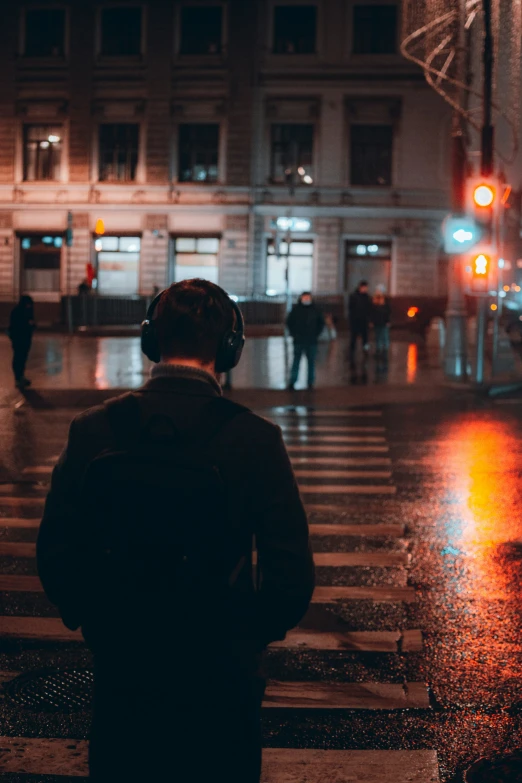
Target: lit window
{"type": "Point", "coordinates": [118, 152]}
{"type": "Point", "coordinates": [374, 29]}
{"type": "Point", "coordinates": [198, 152]}
{"type": "Point", "coordinates": [118, 265]}
{"type": "Point", "coordinates": [196, 257]}
{"type": "Point", "coordinates": [371, 155]}
{"type": "Point", "coordinates": [292, 149]}
{"type": "Point", "coordinates": [42, 152]}
{"type": "Point", "coordinates": [121, 31]}
{"type": "Point", "coordinates": [295, 29]}
{"type": "Point", "coordinates": [44, 32]}
{"type": "Point", "coordinates": [299, 256]}
{"type": "Point", "coordinates": [201, 30]}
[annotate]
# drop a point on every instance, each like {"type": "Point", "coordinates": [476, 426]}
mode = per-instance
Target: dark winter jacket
{"type": "Point", "coordinates": [305, 323]}
{"type": "Point", "coordinates": [359, 308]}
{"type": "Point", "coordinates": [252, 460]}
{"type": "Point", "coordinates": [21, 321]}
{"type": "Point", "coordinates": [381, 313]}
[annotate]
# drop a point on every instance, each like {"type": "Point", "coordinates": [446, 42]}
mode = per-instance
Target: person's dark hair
{"type": "Point", "coordinates": [363, 283]}
{"type": "Point", "coordinates": [192, 317]}
{"type": "Point", "coordinates": [305, 293]}
{"type": "Point", "coordinates": [26, 300]}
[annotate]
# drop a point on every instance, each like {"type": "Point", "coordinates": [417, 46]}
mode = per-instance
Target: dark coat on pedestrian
{"type": "Point", "coordinates": [380, 313]}
{"type": "Point", "coordinates": [305, 323]}
{"type": "Point", "coordinates": [359, 308]}
{"type": "Point", "coordinates": [21, 322]}
{"type": "Point", "coordinates": [251, 457]}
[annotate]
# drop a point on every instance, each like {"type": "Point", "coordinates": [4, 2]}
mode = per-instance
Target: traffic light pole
{"type": "Point", "coordinates": [455, 353]}
{"type": "Point", "coordinates": [486, 170]}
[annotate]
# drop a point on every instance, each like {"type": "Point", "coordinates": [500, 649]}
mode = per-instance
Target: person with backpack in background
{"type": "Point", "coordinates": [380, 319]}
{"type": "Point", "coordinates": [305, 323]}
{"type": "Point", "coordinates": [21, 328]}
{"type": "Point", "coordinates": [146, 544]}
{"type": "Point", "coordinates": [359, 312]}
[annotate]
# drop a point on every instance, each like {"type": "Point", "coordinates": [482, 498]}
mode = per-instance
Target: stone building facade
{"type": "Point", "coordinates": [233, 139]}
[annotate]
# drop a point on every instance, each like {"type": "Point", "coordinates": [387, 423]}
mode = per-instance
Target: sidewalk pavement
{"type": "Point", "coordinates": [81, 370]}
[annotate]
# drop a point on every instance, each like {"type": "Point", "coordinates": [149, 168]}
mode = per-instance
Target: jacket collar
{"type": "Point", "coordinates": [182, 379]}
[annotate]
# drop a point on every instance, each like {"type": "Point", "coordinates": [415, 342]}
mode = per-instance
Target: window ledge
{"type": "Point", "coordinates": [27, 61]}
{"type": "Point", "coordinates": [126, 61]}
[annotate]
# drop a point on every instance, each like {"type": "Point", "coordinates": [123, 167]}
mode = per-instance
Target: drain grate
{"type": "Point", "coordinates": [52, 690]}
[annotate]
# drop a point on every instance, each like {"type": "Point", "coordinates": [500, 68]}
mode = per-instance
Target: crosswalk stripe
{"type": "Point", "coordinates": [293, 448]}
{"type": "Point", "coordinates": [358, 641]}
{"type": "Point", "coordinates": [17, 522]}
{"type": "Point", "coordinates": [346, 695]}
{"type": "Point", "coordinates": [38, 470]}
{"type": "Point", "coordinates": [334, 559]}
{"type": "Point", "coordinates": [20, 583]}
{"type": "Point", "coordinates": [334, 439]}
{"type": "Point", "coordinates": [347, 489]}
{"type": "Point", "coordinates": [383, 595]}
{"type": "Point", "coordinates": [16, 502]}
{"type": "Point", "coordinates": [377, 531]}
{"type": "Point", "coordinates": [68, 758]}
{"type": "Point", "coordinates": [52, 629]}
{"type": "Point", "coordinates": [345, 461]}
{"type": "Point", "coordinates": [346, 474]}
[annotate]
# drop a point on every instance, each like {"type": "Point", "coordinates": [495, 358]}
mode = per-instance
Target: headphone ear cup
{"type": "Point", "coordinates": [230, 351]}
{"type": "Point", "coordinates": [149, 341]}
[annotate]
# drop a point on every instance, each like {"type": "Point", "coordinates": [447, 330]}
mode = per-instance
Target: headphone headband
{"type": "Point", "coordinates": [229, 350]}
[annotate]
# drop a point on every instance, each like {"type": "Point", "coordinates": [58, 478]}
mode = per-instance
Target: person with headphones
{"type": "Point", "coordinates": [146, 545]}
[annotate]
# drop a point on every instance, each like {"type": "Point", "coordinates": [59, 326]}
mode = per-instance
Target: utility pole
{"type": "Point", "coordinates": [455, 355]}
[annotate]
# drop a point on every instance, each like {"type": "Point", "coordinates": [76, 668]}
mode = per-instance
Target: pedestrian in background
{"type": "Point", "coordinates": [21, 328]}
{"type": "Point", "coordinates": [146, 543]}
{"type": "Point", "coordinates": [359, 313]}
{"type": "Point", "coordinates": [380, 319]}
{"type": "Point", "coordinates": [305, 323]}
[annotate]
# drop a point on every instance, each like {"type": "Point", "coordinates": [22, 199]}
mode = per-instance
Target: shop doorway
{"type": "Point", "coordinates": [40, 259]}
{"type": "Point", "coordinates": [367, 260]}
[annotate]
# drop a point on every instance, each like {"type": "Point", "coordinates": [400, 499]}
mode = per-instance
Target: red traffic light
{"type": "Point", "coordinates": [484, 195]}
{"type": "Point", "coordinates": [481, 265]}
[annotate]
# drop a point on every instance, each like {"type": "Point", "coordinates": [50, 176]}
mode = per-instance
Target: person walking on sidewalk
{"type": "Point", "coordinates": [305, 323]}
{"type": "Point", "coordinates": [359, 312]}
{"type": "Point", "coordinates": [146, 544]}
{"type": "Point", "coordinates": [21, 328]}
{"type": "Point", "coordinates": [380, 318]}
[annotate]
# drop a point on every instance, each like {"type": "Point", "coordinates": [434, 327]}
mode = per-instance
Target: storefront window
{"type": "Point", "coordinates": [300, 258]}
{"type": "Point", "coordinates": [40, 257]}
{"type": "Point", "coordinates": [118, 265]}
{"type": "Point", "coordinates": [196, 257]}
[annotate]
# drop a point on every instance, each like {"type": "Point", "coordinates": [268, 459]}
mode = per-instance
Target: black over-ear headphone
{"type": "Point", "coordinates": [229, 351]}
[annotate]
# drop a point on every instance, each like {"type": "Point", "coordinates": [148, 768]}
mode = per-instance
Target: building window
{"type": "Point", "coordinates": [374, 29]}
{"type": "Point", "coordinates": [299, 256]}
{"type": "Point", "coordinates": [196, 257]}
{"type": "Point", "coordinates": [118, 152]}
{"type": "Point", "coordinates": [120, 32]}
{"type": "Point", "coordinates": [40, 263]}
{"type": "Point", "coordinates": [198, 152]}
{"type": "Point", "coordinates": [292, 154]}
{"type": "Point", "coordinates": [371, 155]}
{"type": "Point", "coordinates": [295, 29]}
{"type": "Point", "coordinates": [42, 152]}
{"type": "Point", "coordinates": [118, 260]}
{"type": "Point", "coordinates": [201, 30]}
{"type": "Point", "coordinates": [44, 32]}
{"type": "Point", "coordinates": [367, 259]}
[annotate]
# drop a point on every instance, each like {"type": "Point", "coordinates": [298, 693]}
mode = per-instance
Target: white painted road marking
{"type": "Point", "coordinates": [346, 474]}
{"type": "Point", "coordinates": [347, 489]}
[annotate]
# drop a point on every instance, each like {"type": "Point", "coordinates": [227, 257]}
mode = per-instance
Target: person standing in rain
{"type": "Point", "coordinates": [305, 323]}
{"type": "Point", "coordinates": [360, 306]}
{"type": "Point", "coordinates": [21, 328]}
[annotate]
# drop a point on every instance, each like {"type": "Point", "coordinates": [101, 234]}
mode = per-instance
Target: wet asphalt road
{"type": "Point", "coordinates": [456, 467]}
